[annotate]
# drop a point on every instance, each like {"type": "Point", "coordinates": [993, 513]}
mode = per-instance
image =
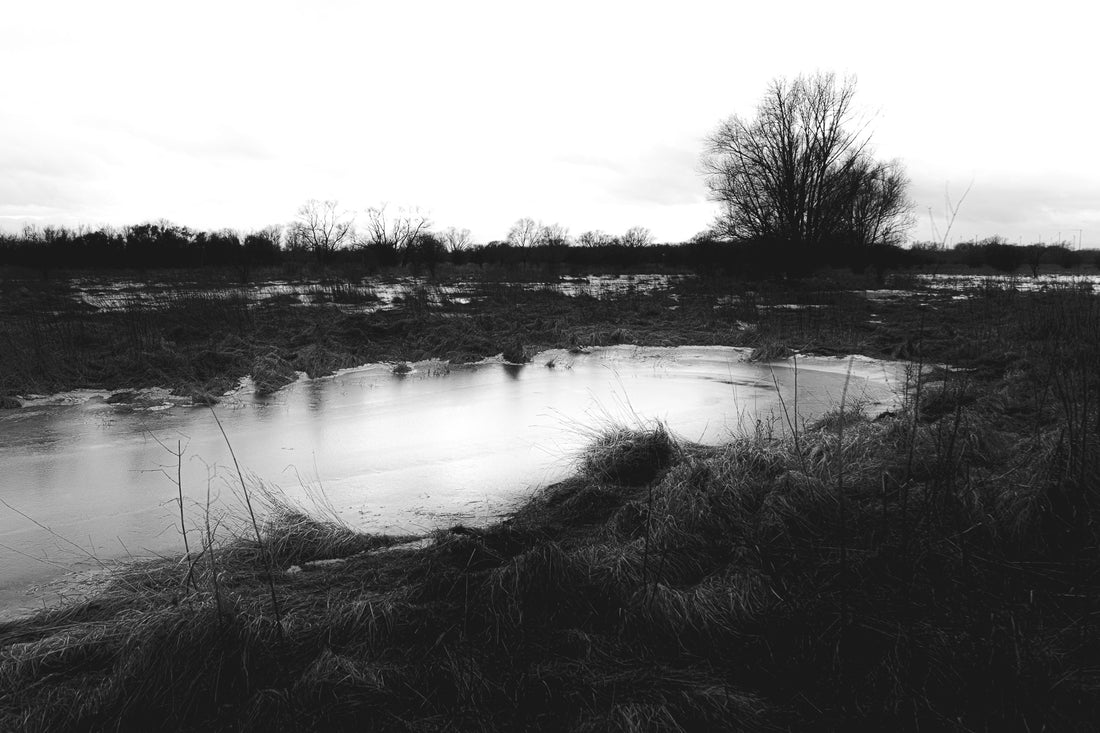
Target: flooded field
{"type": "Point", "coordinates": [1025, 283]}
{"type": "Point", "coordinates": [370, 294]}
{"type": "Point", "coordinates": [363, 295]}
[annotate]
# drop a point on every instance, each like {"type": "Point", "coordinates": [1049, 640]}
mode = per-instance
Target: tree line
{"type": "Point", "coordinates": [404, 235]}
{"type": "Point", "coordinates": [149, 245]}
{"type": "Point", "coordinates": [797, 186]}
{"type": "Point", "coordinates": [406, 243]}
{"type": "Point", "coordinates": [321, 232]}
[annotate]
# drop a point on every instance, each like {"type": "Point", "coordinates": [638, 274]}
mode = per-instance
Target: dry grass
{"type": "Point", "coordinates": [271, 372]}
{"type": "Point", "coordinates": [710, 596]}
{"type": "Point", "coordinates": [933, 569]}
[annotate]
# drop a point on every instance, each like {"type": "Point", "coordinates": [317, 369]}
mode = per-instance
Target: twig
{"type": "Point", "coordinates": [792, 424]}
{"type": "Point", "coordinates": [61, 537]}
{"type": "Point", "coordinates": [213, 562]}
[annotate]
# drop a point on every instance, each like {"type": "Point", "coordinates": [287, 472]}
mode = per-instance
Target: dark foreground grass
{"type": "Point", "coordinates": [934, 569]}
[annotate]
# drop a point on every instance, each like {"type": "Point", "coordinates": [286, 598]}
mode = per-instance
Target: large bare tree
{"type": "Point", "coordinates": [637, 237]}
{"type": "Point", "coordinates": [595, 238]}
{"type": "Point", "coordinates": [554, 235]}
{"type": "Point", "coordinates": [800, 171]}
{"type": "Point", "coordinates": [456, 240]}
{"type": "Point", "coordinates": [877, 205]}
{"type": "Point", "coordinates": [321, 228]}
{"type": "Point", "coordinates": [524, 233]}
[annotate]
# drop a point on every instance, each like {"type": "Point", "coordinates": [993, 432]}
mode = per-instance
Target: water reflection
{"type": "Point", "coordinates": [315, 392]}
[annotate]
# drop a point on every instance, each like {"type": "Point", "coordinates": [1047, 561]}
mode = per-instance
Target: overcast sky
{"type": "Point", "coordinates": [589, 114]}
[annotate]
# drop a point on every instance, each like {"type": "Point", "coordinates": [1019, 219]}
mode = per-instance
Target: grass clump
{"type": "Point", "coordinates": [271, 372]}
{"type": "Point", "coordinates": [629, 457]}
{"type": "Point", "coordinates": [515, 353]}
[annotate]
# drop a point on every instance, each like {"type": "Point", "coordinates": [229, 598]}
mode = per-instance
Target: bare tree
{"type": "Point", "coordinates": [455, 240]}
{"type": "Point", "coordinates": [798, 172]}
{"type": "Point", "coordinates": [594, 238]}
{"type": "Point", "coordinates": [637, 237]}
{"type": "Point", "coordinates": [524, 233]}
{"type": "Point", "coordinates": [259, 247]}
{"type": "Point", "coordinates": [321, 228]}
{"type": "Point", "coordinates": [293, 240]}
{"type": "Point", "coordinates": [554, 235]}
{"type": "Point", "coordinates": [273, 234]}
{"type": "Point", "coordinates": [395, 230]}
{"type": "Point", "coordinates": [425, 249]}
{"type": "Point", "coordinates": [705, 236]}
{"type": "Point", "coordinates": [263, 245]}
{"type": "Point", "coordinates": [878, 207]}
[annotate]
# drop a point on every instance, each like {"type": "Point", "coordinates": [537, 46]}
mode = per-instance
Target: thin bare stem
{"type": "Point", "coordinates": [255, 526]}
{"type": "Point", "coordinates": [791, 423]}
{"type": "Point", "coordinates": [840, 487]}
{"type": "Point", "coordinates": [953, 210]}
{"type": "Point", "coordinates": [61, 537]}
{"type": "Point", "coordinates": [179, 491]}
{"type": "Point", "coordinates": [213, 562]}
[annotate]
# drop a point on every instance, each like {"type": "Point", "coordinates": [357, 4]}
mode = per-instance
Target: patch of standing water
{"type": "Point", "coordinates": [365, 295]}
{"type": "Point", "coordinates": [1025, 283]}
{"type": "Point", "coordinates": [389, 453]}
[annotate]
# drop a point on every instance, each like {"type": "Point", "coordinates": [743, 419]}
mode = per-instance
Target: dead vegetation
{"type": "Point", "coordinates": [933, 569]}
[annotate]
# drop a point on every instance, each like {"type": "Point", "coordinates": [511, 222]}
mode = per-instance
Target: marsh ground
{"type": "Point", "coordinates": [201, 338]}
{"type": "Point", "coordinates": [932, 569]}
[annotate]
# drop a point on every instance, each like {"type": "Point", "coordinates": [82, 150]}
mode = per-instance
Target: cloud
{"type": "Point", "coordinates": [46, 183]}
{"type": "Point", "coordinates": [664, 175]}
{"type": "Point", "coordinates": [187, 133]}
{"type": "Point", "coordinates": [1021, 208]}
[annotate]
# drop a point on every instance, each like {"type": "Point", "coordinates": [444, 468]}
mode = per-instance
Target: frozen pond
{"type": "Point", "coordinates": [392, 453]}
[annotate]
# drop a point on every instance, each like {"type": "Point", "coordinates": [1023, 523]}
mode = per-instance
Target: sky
{"type": "Point", "coordinates": [588, 114]}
